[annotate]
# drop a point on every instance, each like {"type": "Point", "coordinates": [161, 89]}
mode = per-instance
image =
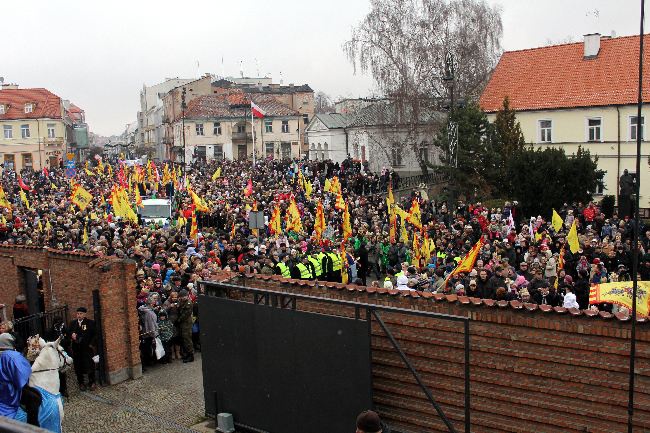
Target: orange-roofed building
{"type": "Point", "coordinates": [34, 128]}
{"type": "Point", "coordinates": [580, 94]}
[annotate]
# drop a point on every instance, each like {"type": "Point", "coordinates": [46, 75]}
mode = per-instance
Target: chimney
{"type": "Point", "coordinates": [9, 86]}
{"type": "Point", "coordinates": [592, 45]}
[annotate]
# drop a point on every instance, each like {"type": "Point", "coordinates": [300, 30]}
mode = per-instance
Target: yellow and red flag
{"type": "Point", "coordinates": [347, 227]}
{"type": "Point", "coordinates": [467, 263]}
{"type": "Point", "coordinates": [199, 203]}
{"type": "Point", "coordinates": [81, 197]}
{"type": "Point", "coordinates": [249, 188]}
{"type": "Point", "coordinates": [415, 216]}
{"type": "Point", "coordinates": [319, 224]}
{"type": "Point", "coordinates": [194, 228]}
{"type": "Point", "coordinates": [293, 221]}
{"type": "Point", "coordinates": [620, 293]}
{"type": "Point", "coordinates": [340, 203]}
{"type": "Point", "coordinates": [344, 264]}
{"type": "Point", "coordinates": [417, 254]}
{"type": "Point", "coordinates": [3, 199]}
{"type": "Point", "coordinates": [217, 174]}
{"type": "Point", "coordinates": [275, 223]}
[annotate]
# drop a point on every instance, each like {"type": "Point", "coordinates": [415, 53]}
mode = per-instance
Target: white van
{"type": "Point", "coordinates": [156, 210]}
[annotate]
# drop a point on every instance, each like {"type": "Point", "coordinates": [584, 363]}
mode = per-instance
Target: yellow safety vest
{"type": "Point", "coordinates": [305, 273]}
{"type": "Point", "coordinates": [336, 261]}
{"type": "Point", "coordinates": [317, 266]}
{"type": "Point", "coordinates": [286, 273]}
{"type": "Point", "coordinates": [441, 255]}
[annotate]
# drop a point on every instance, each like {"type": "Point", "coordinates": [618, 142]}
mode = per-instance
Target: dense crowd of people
{"type": "Point", "coordinates": [520, 258]}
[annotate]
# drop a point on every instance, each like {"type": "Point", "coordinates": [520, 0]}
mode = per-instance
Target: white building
{"type": "Point", "coordinates": [372, 134]}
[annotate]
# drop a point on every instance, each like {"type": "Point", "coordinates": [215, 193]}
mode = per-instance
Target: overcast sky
{"type": "Point", "coordinates": [98, 54]}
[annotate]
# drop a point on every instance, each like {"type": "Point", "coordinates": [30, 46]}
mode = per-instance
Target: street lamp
{"type": "Point", "coordinates": [183, 107]}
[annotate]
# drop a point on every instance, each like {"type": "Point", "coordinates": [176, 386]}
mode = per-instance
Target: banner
{"type": "Point", "coordinates": [620, 293]}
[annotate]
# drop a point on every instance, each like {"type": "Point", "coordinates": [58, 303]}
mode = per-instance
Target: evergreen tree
{"type": "Point", "coordinates": [508, 131]}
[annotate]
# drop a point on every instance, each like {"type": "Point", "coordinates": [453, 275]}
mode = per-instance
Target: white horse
{"type": "Point", "coordinates": [45, 378]}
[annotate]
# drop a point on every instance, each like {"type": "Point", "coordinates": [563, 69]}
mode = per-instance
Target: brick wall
{"type": "Point", "coordinates": [532, 370]}
{"type": "Point", "coordinates": [69, 279]}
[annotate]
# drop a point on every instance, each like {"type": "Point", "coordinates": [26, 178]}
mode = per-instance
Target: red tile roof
{"type": "Point", "coordinates": [234, 104]}
{"type": "Point", "coordinates": [47, 104]}
{"type": "Point", "coordinates": [560, 77]}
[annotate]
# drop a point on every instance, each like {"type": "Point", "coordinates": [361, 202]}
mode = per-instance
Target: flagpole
{"type": "Point", "coordinates": [640, 129]}
{"type": "Point", "coordinates": [253, 131]}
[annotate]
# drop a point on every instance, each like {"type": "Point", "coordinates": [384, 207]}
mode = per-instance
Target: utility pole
{"type": "Point", "coordinates": [183, 108]}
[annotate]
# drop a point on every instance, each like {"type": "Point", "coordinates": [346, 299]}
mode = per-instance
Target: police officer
{"type": "Point", "coordinates": [335, 273]}
{"type": "Point", "coordinates": [303, 270]}
{"type": "Point", "coordinates": [316, 264]}
{"type": "Point", "coordinates": [282, 267]}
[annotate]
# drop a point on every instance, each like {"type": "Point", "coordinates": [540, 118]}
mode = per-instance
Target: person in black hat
{"type": "Point", "coordinates": [82, 338]}
{"type": "Point", "coordinates": [368, 422]}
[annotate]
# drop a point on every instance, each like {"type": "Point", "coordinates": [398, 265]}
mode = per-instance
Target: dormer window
{"type": "Point", "coordinates": [29, 107]}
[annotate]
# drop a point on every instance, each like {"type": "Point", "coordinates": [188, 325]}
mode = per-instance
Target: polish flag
{"type": "Point", "coordinates": [257, 111]}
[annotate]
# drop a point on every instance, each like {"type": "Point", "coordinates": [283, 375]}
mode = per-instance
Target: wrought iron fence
{"type": "Point", "coordinates": [40, 323]}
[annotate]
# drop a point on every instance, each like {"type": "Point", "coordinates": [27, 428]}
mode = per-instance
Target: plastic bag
{"type": "Point", "coordinates": [160, 350]}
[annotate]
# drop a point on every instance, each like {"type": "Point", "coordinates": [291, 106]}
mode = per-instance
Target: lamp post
{"type": "Point", "coordinates": [183, 107]}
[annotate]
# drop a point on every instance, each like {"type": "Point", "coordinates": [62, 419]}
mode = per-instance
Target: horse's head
{"type": "Point", "coordinates": [52, 355]}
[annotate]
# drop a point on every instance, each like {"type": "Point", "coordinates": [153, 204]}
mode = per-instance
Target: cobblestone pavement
{"type": "Point", "coordinates": [168, 398]}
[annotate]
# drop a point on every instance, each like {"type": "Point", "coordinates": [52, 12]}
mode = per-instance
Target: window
{"type": "Point", "coordinates": [545, 127]}
{"type": "Point", "coordinates": [241, 129]}
{"type": "Point", "coordinates": [217, 128]}
{"type": "Point", "coordinates": [29, 107]}
{"type": "Point", "coordinates": [269, 149]}
{"type": "Point", "coordinates": [50, 130]}
{"type": "Point", "coordinates": [285, 149]}
{"type": "Point", "coordinates": [218, 152]}
{"type": "Point", "coordinates": [634, 127]}
{"type": "Point", "coordinates": [10, 160]}
{"type": "Point", "coordinates": [24, 131]}
{"type": "Point", "coordinates": [199, 129]}
{"type": "Point", "coordinates": [305, 118]}
{"type": "Point", "coordinates": [285, 126]}
{"type": "Point", "coordinates": [200, 153]}
{"type": "Point", "coordinates": [268, 126]}
{"type": "Point", "coordinates": [396, 156]}
{"type": "Point", "coordinates": [2, 109]}
{"type": "Point", "coordinates": [593, 129]}
{"type": "Point", "coordinates": [9, 131]}
{"type": "Point", "coordinates": [27, 160]}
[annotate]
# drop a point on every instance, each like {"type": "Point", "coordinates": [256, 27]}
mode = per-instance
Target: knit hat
{"type": "Point", "coordinates": [7, 341]}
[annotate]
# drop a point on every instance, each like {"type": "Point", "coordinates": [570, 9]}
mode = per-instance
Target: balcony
{"type": "Point", "coordinates": [53, 141]}
{"type": "Point", "coordinates": [242, 136]}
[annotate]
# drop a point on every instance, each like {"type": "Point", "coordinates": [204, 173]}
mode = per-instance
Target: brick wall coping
{"type": "Point", "coordinates": [432, 297]}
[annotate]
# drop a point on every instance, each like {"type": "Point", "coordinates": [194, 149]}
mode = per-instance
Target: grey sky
{"type": "Point", "coordinates": [99, 54]}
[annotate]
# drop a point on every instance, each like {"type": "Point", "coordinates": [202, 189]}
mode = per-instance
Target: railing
{"type": "Point", "coordinates": [242, 136]}
{"type": "Point", "coordinates": [40, 323]}
{"type": "Point", "coordinates": [367, 312]}
{"type": "Point", "coordinates": [426, 179]}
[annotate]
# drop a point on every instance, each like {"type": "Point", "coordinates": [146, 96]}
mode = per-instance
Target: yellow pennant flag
{"type": "Point", "coordinates": [319, 223]}
{"type": "Point", "coordinates": [467, 262]}
{"type": "Point", "coordinates": [390, 200]}
{"type": "Point", "coordinates": [199, 203]}
{"type": "Point", "coordinates": [23, 198]}
{"type": "Point", "coordinates": [416, 251]}
{"type": "Point", "coordinates": [556, 221]}
{"type": "Point", "coordinates": [217, 174]}
{"type": "Point", "coordinates": [85, 235]}
{"type": "Point", "coordinates": [572, 239]}
{"type": "Point", "coordinates": [308, 188]}
{"type": "Point", "coordinates": [415, 216]}
{"type": "Point", "coordinates": [620, 293]}
{"type": "Point", "coordinates": [328, 186]}
{"type": "Point", "coordinates": [404, 236]}
{"type": "Point", "coordinates": [3, 200]}
{"type": "Point", "coordinates": [275, 223]}
{"type": "Point", "coordinates": [81, 197]}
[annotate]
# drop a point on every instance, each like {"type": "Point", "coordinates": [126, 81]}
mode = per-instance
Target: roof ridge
{"type": "Point", "coordinates": [605, 37]}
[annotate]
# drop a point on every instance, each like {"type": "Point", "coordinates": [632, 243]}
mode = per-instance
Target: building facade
{"type": "Point", "coordinates": [150, 117]}
{"type": "Point", "coordinates": [580, 94]}
{"type": "Point", "coordinates": [370, 132]}
{"type": "Point", "coordinates": [36, 129]}
{"type": "Point", "coordinates": [219, 126]}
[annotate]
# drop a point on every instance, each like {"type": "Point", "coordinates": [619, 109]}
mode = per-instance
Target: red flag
{"type": "Point", "coordinates": [249, 188]}
{"type": "Point", "coordinates": [22, 184]}
{"type": "Point", "coordinates": [257, 111]}
{"type": "Point", "coordinates": [46, 172]}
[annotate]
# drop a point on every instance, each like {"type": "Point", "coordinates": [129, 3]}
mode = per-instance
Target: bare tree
{"type": "Point", "coordinates": [323, 103]}
{"type": "Point", "coordinates": [423, 52]}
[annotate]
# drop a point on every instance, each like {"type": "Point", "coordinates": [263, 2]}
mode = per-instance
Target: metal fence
{"type": "Point", "coordinates": [40, 323]}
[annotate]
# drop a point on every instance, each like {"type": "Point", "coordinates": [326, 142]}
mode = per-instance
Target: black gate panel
{"type": "Point", "coordinates": [284, 371]}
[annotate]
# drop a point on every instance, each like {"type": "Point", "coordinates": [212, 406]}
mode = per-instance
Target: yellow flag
{"type": "Point", "coordinates": [93, 216]}
{"type": "Point", "coordinates": [404, 236]}
{"type": "Point", "coordinates": [48, 226]}
{"type": "Point", "coordinates": [275, 223]}
{"type": "Point", "coordinates": [556, 221]}
{"type": "Point", "coordinates": [415, 217]}
{"type": "Point", "coordinates": [308, 188]}
{"type": "Point", "coordinates": [620, 293]}
{"type": "Point", "coordinates": [390, 200]}
{"type": "Point", "coordinates": [217, 174]}
{"type": "Point", "coordinates": [40, 226]}
{"type": "Point", "coordinates": [347, 227]}
{"type": "Point", "coordinates": [572, 239]}
{"type": "Point", "coordinates": [85, 235]}
{"type": "Point", "coordinates": [344, 264]}
{"type": "Point", "coordinates": [199, 203]}
{"type": "Point", "coordinates": [416, 251]}
{"type": "Point", "coordinates": [52, 186]}
{"type": "Point", "coordinates": [328, 186]}
{"type": "Point", "coordinates": [81, 197]}
{"type": "Point", "coordinates": [23, 198]}
{"type": "Point", "coordinates": [3, 200]}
